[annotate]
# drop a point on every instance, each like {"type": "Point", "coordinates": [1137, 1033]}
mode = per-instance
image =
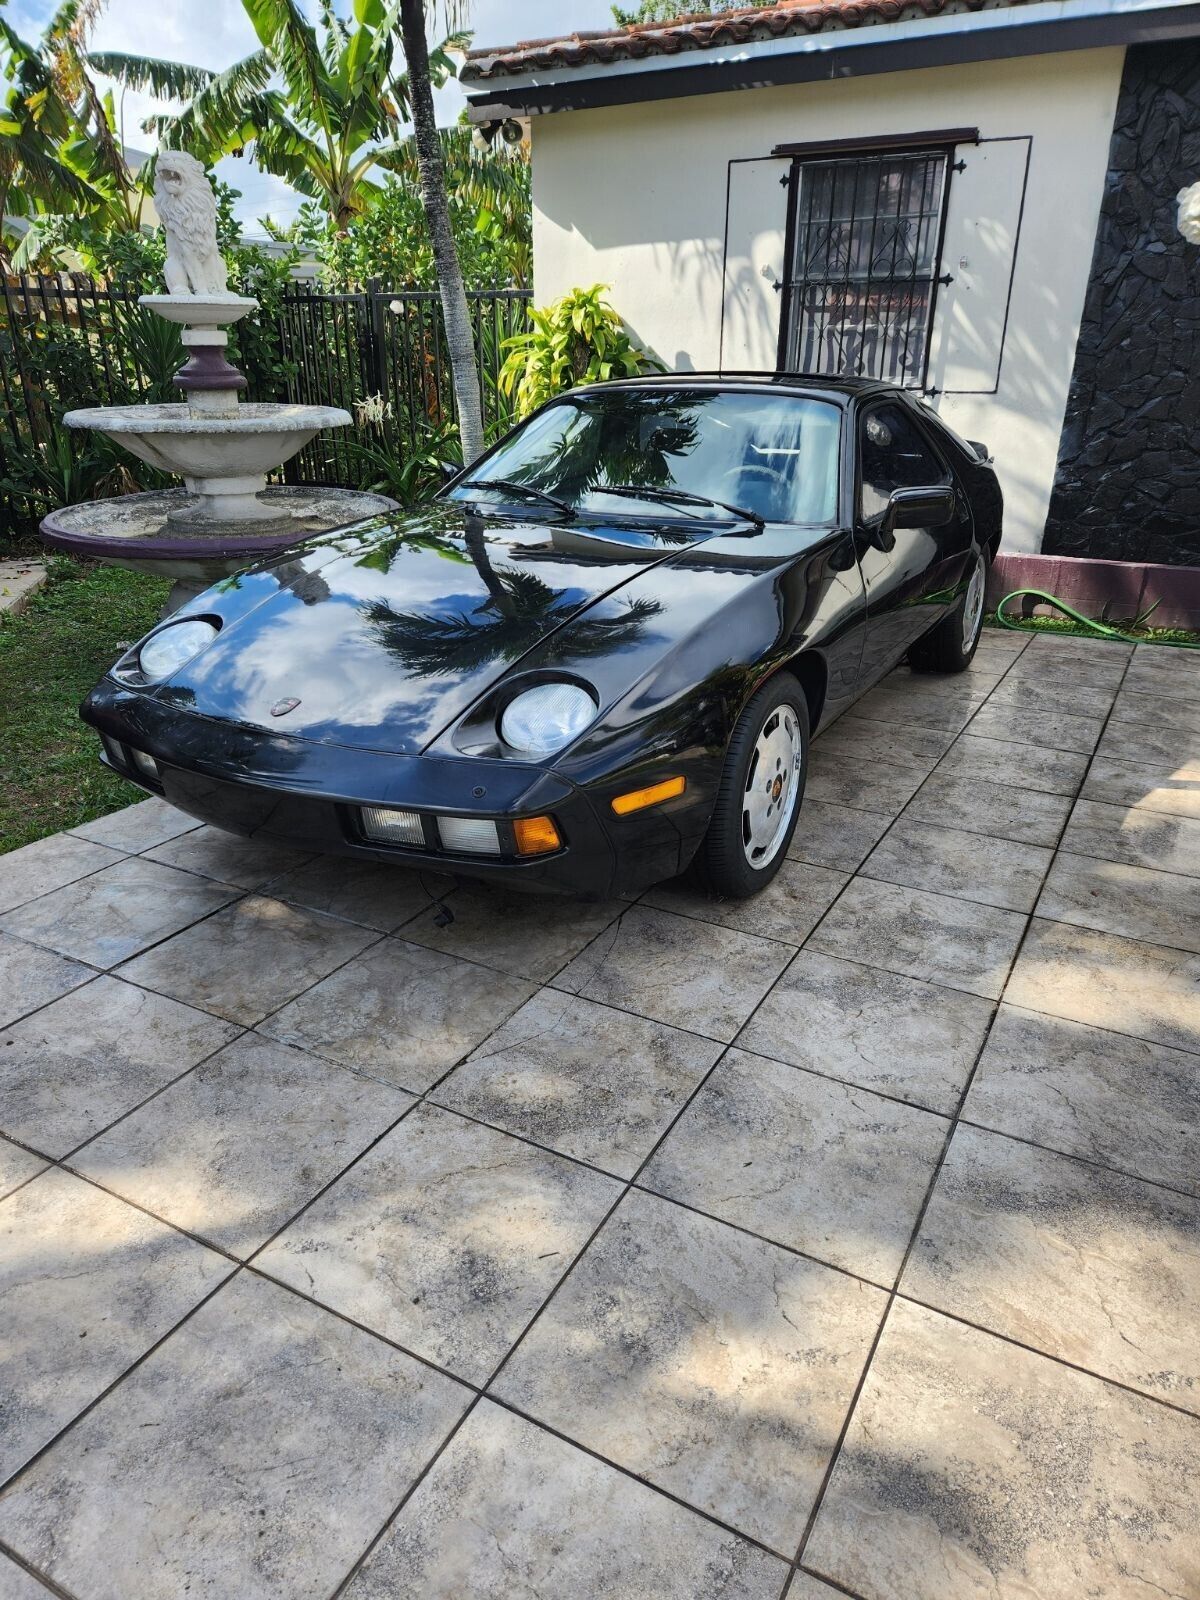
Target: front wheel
{"type": "Point", "coordinates": [950, 646]}
{"type": "Point", "coordinates": [759, 795]}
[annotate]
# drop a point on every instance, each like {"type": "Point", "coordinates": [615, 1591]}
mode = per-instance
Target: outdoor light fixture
{"type": "Point", "coordinates": [387, 826]}
{"type": "Point", "coordinates": [473, 836]}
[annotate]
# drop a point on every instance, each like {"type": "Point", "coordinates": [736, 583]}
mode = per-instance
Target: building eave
{"type": "Point", "coordinates": [1041, 27]}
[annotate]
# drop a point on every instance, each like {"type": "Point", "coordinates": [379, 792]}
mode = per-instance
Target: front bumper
{"type": "Point", "coordinates": [309, 795]}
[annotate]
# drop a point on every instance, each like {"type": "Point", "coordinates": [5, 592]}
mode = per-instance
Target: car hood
{"type": "Point", "coordinates": [382, 635]}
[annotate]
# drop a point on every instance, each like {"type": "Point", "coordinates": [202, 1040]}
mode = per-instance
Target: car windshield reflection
{"type": "Point", "coordinates": [699, 457]}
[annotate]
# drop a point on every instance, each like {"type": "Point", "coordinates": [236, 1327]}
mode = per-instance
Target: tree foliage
{"type": "Point", "coordinates": [578, 339]}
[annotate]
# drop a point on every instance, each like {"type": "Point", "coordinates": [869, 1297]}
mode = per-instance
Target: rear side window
{"type": "Point", "coordinates": [893, 454]}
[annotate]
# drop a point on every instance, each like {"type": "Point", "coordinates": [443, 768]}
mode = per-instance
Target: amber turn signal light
{"type": "Point", "coordinates": [639, 799]}
{"type": "Point", "coordinates": [536, 835]}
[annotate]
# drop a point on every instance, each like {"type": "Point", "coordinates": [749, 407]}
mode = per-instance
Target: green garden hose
{"type": "Point", "coordinates": [1101, 628]}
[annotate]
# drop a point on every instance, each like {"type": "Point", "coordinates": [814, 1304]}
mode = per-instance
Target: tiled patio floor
{"type": "Point", "coordinates": [842, 1242]}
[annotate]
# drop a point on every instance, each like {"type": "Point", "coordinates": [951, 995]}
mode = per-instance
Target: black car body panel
{"type": "Point", "coordinates": [371, 667]}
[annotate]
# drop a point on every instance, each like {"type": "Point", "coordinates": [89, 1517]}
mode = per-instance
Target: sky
{"type": "Point", "coordinates": [215, 33]}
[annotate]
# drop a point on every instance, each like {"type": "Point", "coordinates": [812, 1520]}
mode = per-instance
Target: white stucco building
{"type": "Point", "coordinates": [917, 191]}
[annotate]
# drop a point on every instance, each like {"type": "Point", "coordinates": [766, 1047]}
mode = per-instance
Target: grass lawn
{"type": "Point", "coordinates": [50, 656]}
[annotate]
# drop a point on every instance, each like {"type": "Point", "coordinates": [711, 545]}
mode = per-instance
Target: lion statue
{"type": "Point", "coordinates": [1189, 212]}
{"type": "Point", "coordinates": [187, 209]}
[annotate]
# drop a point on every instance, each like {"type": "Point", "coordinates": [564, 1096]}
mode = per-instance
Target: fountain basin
{"type": "Point", "coordinates": [144, 533]}
{"type": "Point", "coordinates": [223, 458]}
{"type": "Point", "coordinates": [199, 310]}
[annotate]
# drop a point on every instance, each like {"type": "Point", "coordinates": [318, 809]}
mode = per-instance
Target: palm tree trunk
{"type": "Point", "coordinates": [460, 343]}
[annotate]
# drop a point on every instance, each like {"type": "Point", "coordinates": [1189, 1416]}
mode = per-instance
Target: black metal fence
{"type": "Point", "coordinates": [68, 342]}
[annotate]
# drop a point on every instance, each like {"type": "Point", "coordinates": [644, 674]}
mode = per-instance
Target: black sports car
{"type": "Point", "coordinates": [596, 656]}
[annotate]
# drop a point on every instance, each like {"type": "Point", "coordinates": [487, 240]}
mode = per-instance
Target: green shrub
{"type": "Point", "coordinates": [578, 339]}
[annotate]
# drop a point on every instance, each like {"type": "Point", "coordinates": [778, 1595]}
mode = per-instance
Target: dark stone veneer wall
{"type": "Point", "coordinates": [1128, 481]}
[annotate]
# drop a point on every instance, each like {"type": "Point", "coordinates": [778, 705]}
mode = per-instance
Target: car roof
{"type": "Point", "coordinates": [829, 387]}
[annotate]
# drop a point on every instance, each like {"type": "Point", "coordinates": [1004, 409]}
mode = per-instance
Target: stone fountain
{"type": "Point", "coordinates": [226, 515]}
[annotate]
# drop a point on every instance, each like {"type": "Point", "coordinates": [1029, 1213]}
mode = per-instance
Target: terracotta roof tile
{"type": "Point", "coordinates": [705, 32]}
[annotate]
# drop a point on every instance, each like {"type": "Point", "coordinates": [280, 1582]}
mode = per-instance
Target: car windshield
{"type": "Point", "coordinates": [695, 455]}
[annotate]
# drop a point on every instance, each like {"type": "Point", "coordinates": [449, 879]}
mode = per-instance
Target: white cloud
{"type": "Point", "coordinates": [215, 33]}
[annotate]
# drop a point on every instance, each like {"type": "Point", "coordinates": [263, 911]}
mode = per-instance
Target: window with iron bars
{"type": "Point", "coordinates": [864, 249]}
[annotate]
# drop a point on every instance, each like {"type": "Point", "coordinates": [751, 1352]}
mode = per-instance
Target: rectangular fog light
{"type": "Point", "coordinates": [472, 835]}
{"type": "Point", "coordinates": [114, 751]}
{"type": "Point", "coordinates": [145, 764]}
{"type": "Point", "coordinates": [387, 826]}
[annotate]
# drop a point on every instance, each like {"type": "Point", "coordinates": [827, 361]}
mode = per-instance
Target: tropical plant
{"type": "Point", "coordinates": [389, 459]}
{"type": "Point", "coordinates": [578, 339]}
{"type": "Point", "coordinates": [320, 105]}
{"type": "Point", "coordinates": [673, 10]}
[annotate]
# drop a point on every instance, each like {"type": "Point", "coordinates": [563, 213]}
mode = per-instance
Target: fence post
{"type": "Point", "coordinates": [376, 338]}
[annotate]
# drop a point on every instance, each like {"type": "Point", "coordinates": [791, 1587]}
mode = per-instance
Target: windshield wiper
{"type": "Point", "coordinates": [681, 497]}
{"type": "Point", "coordinates": [510, 486]}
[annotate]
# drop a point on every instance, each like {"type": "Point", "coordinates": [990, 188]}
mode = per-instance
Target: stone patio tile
{"type": "Point", "coordinates": [446, 1238]}
{"type": "Point", "coordinates": [1078, 647]}
{"type": "Point", "coordinates": [1124, 985]}
{"type": "Point", "coordinates": [1070, 671]}
{"type": "Point", "coordinates": [1099, 1269]}
{"type": "Point", "coordinates": [509, 1510]}
{"type": "Point", "coordinates": [87, 1285]}
{"type": "Point", "coordinates": [916, 1041]}
{"type": "Point", "coordinates": [17, 1166]}
{"type": "Point", "coordinates": [1175, 674]}
{"type": "Point", "coordinates": [1139, 838]}
{"type": "Point", "coordinates": [881, 787]}
{"type": "Point", "coordinates": [48, 864]}
{"type": "Point", "coordinates": [229, 857]}
{"type": "Point", "coordinates": [789, 908]}
{"type": "Point", "coordinates": [111, 915]}
{"type": "Point", "coordinates": [833, 836]}
{"type": "Point", "coordinates": [907, 705]}
{"type": "Point", "coordinates": [1156, 711]}
{"type": "Point", "coordinates": [594, 1083]}
{"type": "Point", "coordinates": [932, 936]}
{"type": "Point", "coordinates": [76, 1066]}
{"type": "Point", "coordinates": [249, 959]}
{"type": "Point", "coordinates": [1025, 766]}
{"type": "Point", "coordinates": [996, 872]}
{"type": "Point", "coordinates": [1056, 730]}
{"type": "Point", "coordinates": [527, 935]}
{"type": "Point", "coordinates": [713, 1365]}
{"type": "Point", "coordinates": [905, 746]}
{"type": "Point", "coordinates": [16, 1583]}
{"type": "Point", "coordinates": [832, 1171]}
{"type": "Point", "coordinates": [1136, 902]}
{"type": "Point", "coordinates": [371, 892]}
{"type": "Point", "coordinates": [138, 827]}
{"type": "Point", "coordinates": [974, 1470]}
{"type": "Point", "coordinates": [238, 1146]}
{"type": "Point", "coordinates": [1051, 692]}
{"type": "Point", "coordinates": [1102, 1096]}
{"type": "Point", "coordinates": [996, 809]}
{"type": "Point", "coordinates": [1149, 744]}
{"type": "Point", "coordinates": [31, 977]}
{"type": "Point", "coordinates": [1171, 787]}
{"type": "Point", "coordinates": [254, 1454]}
{"type": "Point", "coordinates": [805, 1587]}
{"type": "Point", "coordinates": [676, 970]}
{"type": "Point", "coordinates": [400, 1012]}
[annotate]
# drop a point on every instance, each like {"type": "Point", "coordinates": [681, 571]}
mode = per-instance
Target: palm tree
{"type": "Point", "coordinates": [460, 342]}
{"type": "Point", "coordinates": [339, 113]}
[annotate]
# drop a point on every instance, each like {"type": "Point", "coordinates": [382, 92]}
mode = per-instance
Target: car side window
{"type": "Point", "coordinates": [892, 455]}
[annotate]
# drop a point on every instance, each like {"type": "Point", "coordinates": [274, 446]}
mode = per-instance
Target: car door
{"type": "Point", "coordinates": [908, 572]}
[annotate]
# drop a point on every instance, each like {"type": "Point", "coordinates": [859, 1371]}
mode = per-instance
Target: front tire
{"type": "Point", "coordinates": [759, 795]}
{"type": "Point", "coordinates": [951, 646]}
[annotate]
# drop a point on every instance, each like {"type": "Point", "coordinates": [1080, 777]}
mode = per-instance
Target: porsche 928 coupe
{"type": "Point", "coordinates": [596, 657]}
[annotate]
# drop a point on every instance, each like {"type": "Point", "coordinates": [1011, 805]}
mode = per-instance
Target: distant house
{"type": "Point", "coordinates": [975, 200]}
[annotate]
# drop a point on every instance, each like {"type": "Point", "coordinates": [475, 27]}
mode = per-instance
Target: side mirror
{"type": "Point", "coordinates": [449, 470]}
{"type": "Point", "coordinates": [919, 508]}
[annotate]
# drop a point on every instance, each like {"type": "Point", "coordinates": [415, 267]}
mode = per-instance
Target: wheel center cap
{"type": "Point", "coordinates": [776, 788]}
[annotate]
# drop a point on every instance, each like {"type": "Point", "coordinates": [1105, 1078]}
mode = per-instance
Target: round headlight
{"type": "Point", "coordinates": [544, 719]}
{"type": "Point", "coordinates": [173, 647]}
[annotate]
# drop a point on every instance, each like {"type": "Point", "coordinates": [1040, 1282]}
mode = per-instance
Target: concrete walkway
{"type": "Point", "coordinates": [842, 1242]}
